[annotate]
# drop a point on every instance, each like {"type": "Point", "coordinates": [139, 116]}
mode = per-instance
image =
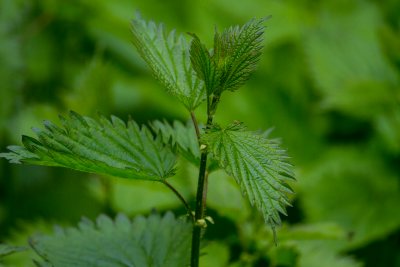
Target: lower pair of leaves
{"type": "Point", "coordinates": [127, 150]}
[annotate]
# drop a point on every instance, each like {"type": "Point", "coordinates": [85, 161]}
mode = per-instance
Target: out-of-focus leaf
{"type": "Point", "coordinates": [317, 231]}
{"type": "Point", "coordinates": [11, 58]}
{"type": "Point", "coordinates": [8, 250]}
{"type": "Point", "coordinates": [97, 146]}
{"type": "Point", "coordinates": [348, 64]}
{"type": "Point", "coordinates": [154, 241]}
{"type": "Point", "coordinates": [258, 238]}
{"type": "Point", "coordinates": [92, 88]}
{"type": "Point", "coordinates": [388, 127]}
{"type": "Point", "coordinates": [20, 235]}
{"type": "Point", "coordinates": [364, 198]}
{"type": "Point", "coordinates": [288, 18]}
{"type": "Point", "coordinates": [317, 254]}
{"type": "Point", "coordinates": [32, 114]}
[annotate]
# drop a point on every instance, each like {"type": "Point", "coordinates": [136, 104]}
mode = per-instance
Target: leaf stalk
{"type": "Point", "coordinates": [181, 198]}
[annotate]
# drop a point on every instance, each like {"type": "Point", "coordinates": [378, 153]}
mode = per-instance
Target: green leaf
{"type": "Point", "coordinates": [258, 165]}
{"type": "Point", "coordinates": [317, 231]}
{"type": "Point", "coordinates": [183, 137]}
{"type": "Point", "coordinates": [357, 175]}
{"type": "Point", "coordinates": [352, 73]}
{"type": "Point", "coordinates": [237, 51]}
{"type": "Point", "coordinates": [321, 254]}
{"type": "Point", "coordinates": [167, 54]}
{"type": "Point", "coordinates": [154, 241]}
{"type": "Point", "coordinates": [97, 146]}
{"type": "Point", "coordinates": [203, 64]}
{"type": "Point", "coordinates": [234, 58]}
{"type": "Point", "coordinates": [20, 235]}
{"type": "Point", "coordinates": [6, 250]}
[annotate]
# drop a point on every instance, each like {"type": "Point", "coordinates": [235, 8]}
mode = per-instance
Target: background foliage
{"type": "Point", "coordinates": [328, 82]}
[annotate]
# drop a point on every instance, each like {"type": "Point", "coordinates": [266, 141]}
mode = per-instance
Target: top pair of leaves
{"type": "Point", "coordinates": [189, 74]}
{"type": "Point", "coordinates": [233, 59]}
{"type": "Point", "coordinates": [167, 54]}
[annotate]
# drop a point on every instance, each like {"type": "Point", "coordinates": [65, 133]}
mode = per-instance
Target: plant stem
{"type": "Point", "coordinates": [205, 187]}
{"type": "Point", "coordinates": [199, 214]}
{"type": "Point", "coordinates": [181, 198]}
{"type": "Point", "coordinates": [200, 196]}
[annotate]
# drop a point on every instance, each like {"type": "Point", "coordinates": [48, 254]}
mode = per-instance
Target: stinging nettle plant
{"type": "Point", "coordinates": [193, 74]}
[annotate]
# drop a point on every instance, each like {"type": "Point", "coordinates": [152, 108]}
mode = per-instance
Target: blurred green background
{"type": "Point", "coordinates": [328, 82]}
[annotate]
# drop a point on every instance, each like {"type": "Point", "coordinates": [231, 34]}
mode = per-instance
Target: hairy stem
{"type": "Point", "coordinates": [205, 187]}
{"type": "Point", "coordinates": [181, 198]}
{"type": "Point", "coordinates": [200, 197]}
{"type": "Point", "coordinates": [199, 214]}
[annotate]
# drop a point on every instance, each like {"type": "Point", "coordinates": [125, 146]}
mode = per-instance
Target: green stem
{"type": "Point", "coordinates": [200, 196]}
{"type": "Point", "coordinates": [199, 214]}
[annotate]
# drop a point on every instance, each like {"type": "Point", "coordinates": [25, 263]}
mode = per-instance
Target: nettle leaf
{"type": "Point", "coordinates": [154, 241]}
{"type": "Point", "coordinates": [234, 58]}
{"type": "Point", "coordinates": [97, 146]}
{"type": "Point", "coordinates": [180, 136]}
{"type": "Point", "coordinates": [6, 250]}
{"type": "Point", "coordinates": [237, 51]}
{"type": "Point", "coordinates": [168, 56]}
{"type": "Point", "coordinates": [258, 165]}
{"type": "Point", "coordinates": [204, 65]}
